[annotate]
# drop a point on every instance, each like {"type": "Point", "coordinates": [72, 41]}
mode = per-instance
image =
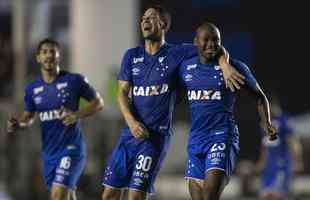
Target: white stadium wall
{"type": "Point", "coordinates": [101, 31]}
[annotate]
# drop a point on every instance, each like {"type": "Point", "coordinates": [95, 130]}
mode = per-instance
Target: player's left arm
{"type": "Point", "coordinates": [261, 162]}
{"type": "Point", "coordinates": [295, 149]}
{"type": "Point", "coordinates": [95, 104]}
{"type": "Point", "coordinates": [263, 105]}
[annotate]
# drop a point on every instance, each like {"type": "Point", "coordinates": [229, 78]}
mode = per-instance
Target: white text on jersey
{"type": "Point", "coordinates": [150, 90]}
{"type": "Point", "coordinates": [204, 95]}
{"type": "Point", "coordinates": [51, 115]}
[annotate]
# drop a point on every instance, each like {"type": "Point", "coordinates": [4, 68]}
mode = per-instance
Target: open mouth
{"type": "Point", "coordinates": [147, 27]}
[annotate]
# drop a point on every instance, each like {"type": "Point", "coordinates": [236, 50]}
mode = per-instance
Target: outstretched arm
{"type": "Point", "coordinates": [138, 130]}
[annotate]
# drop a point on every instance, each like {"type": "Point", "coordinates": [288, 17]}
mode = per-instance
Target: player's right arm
{"type": "Point", "coordinates": [27, 117]}
{"type": "Point", "coordinates": [137, 129]}
{"type": "Point", "coordinates": [25, 120]}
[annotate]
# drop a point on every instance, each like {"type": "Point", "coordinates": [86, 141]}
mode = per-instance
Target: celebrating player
{"type": "Point", "coordinates": [149, 75]}
{"type": "Point", "coordinates": [213, 144]}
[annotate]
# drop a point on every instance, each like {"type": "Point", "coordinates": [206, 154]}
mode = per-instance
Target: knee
{"type": "Point", "coordinates": [59, 195]}
{"type": "Point", "coordinates": [136, 195]}
{"type": "Point", "coordinates": [215, 182]}
{"type": "Point", "coordinates": [110, 194]}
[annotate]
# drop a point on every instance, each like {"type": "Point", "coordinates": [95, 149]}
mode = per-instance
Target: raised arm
{"type": "Point", "coordinates": [137, 129]}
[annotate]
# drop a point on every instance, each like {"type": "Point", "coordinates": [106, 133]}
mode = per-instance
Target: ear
{"type": "Point", "coordinates": [163, 25]}
{"type": "Point", "coordinates": [195, 40]}
{"type": "Point", "coordinates": [38, 58]}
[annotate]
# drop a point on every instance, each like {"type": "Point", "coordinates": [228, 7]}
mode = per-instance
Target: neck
{"type": "Point", "coordinates": [152, 46]}
{"type": "Point", "coordinates": [204, 60]}
{"type": "Point", "coordinates": [50, 75]}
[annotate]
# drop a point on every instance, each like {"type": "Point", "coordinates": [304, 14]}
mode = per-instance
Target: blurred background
{"type": "Point", "coordinates": [270, 36]}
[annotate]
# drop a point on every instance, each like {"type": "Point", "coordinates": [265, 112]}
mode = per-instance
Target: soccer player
{"type": "Point", "coordinates": [213, 143]}
{"type": "Point", "coordinates": [146, 97]}
{"type": "Point", "coordinates": [54, 97]}
{"type": "Point", "coordinates": [280, 158]}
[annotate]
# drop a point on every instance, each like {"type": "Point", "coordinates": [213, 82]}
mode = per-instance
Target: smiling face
{"type": "Point", "coordinates": [152, 25]}
{"type": "Point", "coordinates": [48, 56]}
{"type": "Point", "coordinates": [208, 41]}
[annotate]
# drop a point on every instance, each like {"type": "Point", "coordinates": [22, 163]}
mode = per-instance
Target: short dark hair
{"type": "Point", "coordinates": [207, 25]}
{"type": "Point", "coordinates": [163, 14]}
{"type": "Point", "coordinates": [47, 41]}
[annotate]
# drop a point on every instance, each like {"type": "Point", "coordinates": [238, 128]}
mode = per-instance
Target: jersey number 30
{"type": "Point", "coordinates": [144, 163]}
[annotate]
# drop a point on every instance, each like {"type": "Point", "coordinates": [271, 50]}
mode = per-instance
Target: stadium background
{"type": "Point", "coordinates": [270, 36]}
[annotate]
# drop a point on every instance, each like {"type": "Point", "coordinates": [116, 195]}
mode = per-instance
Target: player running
{"type": "Point", "coordinates": [279, 159]}
{"type": "Point", "coordinates": [55, 97]}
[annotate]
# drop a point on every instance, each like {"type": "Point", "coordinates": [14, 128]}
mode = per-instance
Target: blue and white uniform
{"type": "Point", "coordinates": [214, 139]}
{"type": "Point", "coordinates": [135, 163]}
{"type": "Point", "coordinates": [277, 173]}
{"type": "Point", "coordinates": [63, 146]}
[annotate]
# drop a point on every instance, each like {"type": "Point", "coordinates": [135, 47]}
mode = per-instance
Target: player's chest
{"type": "Point", "coordinates": [200, 77]}
{"type": "Point", "coordinates": [51, 96]}
{"type": "Point", "coordinates": [153, 70]}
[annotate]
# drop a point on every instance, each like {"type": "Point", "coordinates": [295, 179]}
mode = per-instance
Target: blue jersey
{"type": "Point", "coordinates": [47, 100]}
{"type": "Point", "coordinates": [277, 172]}
{"type": "Point", "coordinates": [154, 80]}
{"type": "Point", "coordinates": [278, 154]}
{"type": "Point", "coordinates": [210, 101]}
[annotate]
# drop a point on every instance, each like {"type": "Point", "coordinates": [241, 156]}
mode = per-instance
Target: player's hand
{"type": "Point", "coordinates": [138, 130]}
{"type": "Point", "coordinates": [233, 79]}
{"type": "Point", "coordinates": [12, 125]}
{"type": "Point", "coordinates": [68, 117]}
{"type": "Point", "coordinates": [272, 132]}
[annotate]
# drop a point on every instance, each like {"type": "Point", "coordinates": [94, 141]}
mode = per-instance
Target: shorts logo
{"type": "Point", "coordinates": [59, 178]}
{"type": "Point", "coordinates": [138, 181]}
{"type": "Point", "coordinates": [215, 161]}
